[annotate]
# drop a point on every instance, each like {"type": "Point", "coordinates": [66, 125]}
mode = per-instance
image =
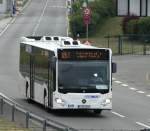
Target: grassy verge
{"type": "Point", "coordinates": [112, 27]}
{"type": "Point", "coordinates": [10, 126]}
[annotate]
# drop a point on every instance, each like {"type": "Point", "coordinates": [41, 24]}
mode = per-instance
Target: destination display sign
{"type": "Point", "coordinates": [83, 54]}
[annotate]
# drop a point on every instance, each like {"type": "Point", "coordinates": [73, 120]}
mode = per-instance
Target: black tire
{"type": "Point", "coordinates": [98, 111]}
{"type": "Point", "coordinates": [27, 86]}
{"type": "Point", "coordinates": [29, 101]}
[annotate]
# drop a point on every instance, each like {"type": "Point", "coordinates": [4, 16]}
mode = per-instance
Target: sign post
{"type": "Point", "coordinates": [87, 19]}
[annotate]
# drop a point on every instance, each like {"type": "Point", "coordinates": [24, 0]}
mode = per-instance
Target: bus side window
{"type": "Point", "coordinates": [41, 65]}
{"type": "Point", "coordinates": [24, 61]}
{"type": "Point", "coordinates": [52, 73]}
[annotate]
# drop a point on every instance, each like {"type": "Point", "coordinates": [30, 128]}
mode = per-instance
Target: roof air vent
{"type": "Point", "coordinates": [56, 38]}
{"type": "Point", "coordinates": [48, 38]}
{"type": "Point", "coordinates": [67, 43]}
{"type": "Point", "coordinates": [75, 42]}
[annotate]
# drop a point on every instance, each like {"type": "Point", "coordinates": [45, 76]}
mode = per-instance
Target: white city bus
{"type": "Point", "coordinates": [62, 73]}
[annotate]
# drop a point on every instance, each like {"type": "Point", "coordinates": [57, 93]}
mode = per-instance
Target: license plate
{"type": "Point", "coordinates": [84, 106]}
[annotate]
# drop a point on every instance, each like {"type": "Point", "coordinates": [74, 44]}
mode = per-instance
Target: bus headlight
{"type": "Point", "coordinates": [106, 102]}
{"type": "Point", "coordinates": [60, 101]}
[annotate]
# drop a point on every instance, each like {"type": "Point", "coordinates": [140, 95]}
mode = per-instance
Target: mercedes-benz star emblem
{"type": "Point", "coordinates": [83, 101]}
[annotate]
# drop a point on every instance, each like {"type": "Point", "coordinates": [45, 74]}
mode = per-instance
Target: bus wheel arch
{"type": "Point", "coordinates": [45, 97]}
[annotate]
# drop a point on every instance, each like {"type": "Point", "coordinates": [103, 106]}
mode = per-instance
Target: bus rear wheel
{"type": "Point", "coordinates": [98, 111]}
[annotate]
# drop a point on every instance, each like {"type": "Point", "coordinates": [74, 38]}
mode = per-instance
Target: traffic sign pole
{"type": "Point", "coordinates": [87, 31]}
{"type": "Point", "coordinates": [87, 19]}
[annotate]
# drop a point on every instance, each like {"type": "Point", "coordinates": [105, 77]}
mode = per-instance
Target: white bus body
{"type": "Point", "coordinates": [61, 73]}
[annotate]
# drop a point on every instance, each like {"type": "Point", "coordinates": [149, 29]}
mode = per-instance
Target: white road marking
{"type": "Point", "coordinates": [115, 113]}
{"type": "Point", "coordinates": [7, 26]}
{"type": "Point", "coordinates": [113, 78]}
{"type": "Point", "coordinates": [142, 124]}
{"type": "Point", "coordinates": [148, 95]}
{"type": "Point", "coordinates": [119, 82]}
{"type": "Point", "coordinates": [125, 85]}
{"type": "Point", "coordinates": [39, 21]}
{"type": "Point", "coordinates": [141, 92]}
{"type": "Point", "coordinates": [134, 89]}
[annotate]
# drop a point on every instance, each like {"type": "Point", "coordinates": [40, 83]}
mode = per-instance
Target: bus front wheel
{"type": "Point", "coordinates": [98, 111]}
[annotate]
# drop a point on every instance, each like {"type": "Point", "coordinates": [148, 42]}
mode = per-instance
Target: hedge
{"type": "Point", "coordinates": [140, 26]}
{"type": "Point", "coordinates": [126, 23]}
{"type": "Point", "coordinates": [130, 29]}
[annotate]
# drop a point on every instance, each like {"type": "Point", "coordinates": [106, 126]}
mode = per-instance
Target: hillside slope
{"type": "Point", "coordinates": [112, 26]}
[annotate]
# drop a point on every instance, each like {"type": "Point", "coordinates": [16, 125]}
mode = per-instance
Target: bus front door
{"type": "Point", "coordinates": [32, 70]}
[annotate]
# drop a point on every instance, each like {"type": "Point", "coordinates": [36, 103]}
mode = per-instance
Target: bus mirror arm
{"type": "Point", "coordinates": [114, 67]}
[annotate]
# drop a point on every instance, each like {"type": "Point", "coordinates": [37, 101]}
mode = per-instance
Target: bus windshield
{"type": "Point", "coordinates": [83, 76]}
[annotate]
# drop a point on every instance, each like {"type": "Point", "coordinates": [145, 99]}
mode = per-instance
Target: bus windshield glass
{"type": "Point", "coordinates": [83, 76]}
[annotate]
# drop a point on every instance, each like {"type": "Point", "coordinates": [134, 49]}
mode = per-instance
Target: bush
{"type": "Point", "coordinates": [76, 7]}
{"type": "Point", "coordinates": [132, 27]}
{"type": "Point", "coordinates": [125, 22]}
{"type": "Point", "coordinates": [138, 26]}
{"type": "Point", "coordinates": [76, 25]}
{"type": "Point", "coordinates": [144, 25]}
{"type": "Point", "coordinates": [101, 10]}
{"type": "Point", "coordinates": [139, 29]}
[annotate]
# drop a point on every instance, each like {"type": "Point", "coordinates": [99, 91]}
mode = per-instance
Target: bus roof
{"type": "Point", "coordinates": [53, 43]}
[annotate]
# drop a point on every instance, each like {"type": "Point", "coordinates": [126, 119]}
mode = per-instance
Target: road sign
{"type": "Point", "coordinates": [86, 20]}
{"type": "Point", "coordinates": [87, 16]}
{"type": "Point", "coordinates": [87, 11]}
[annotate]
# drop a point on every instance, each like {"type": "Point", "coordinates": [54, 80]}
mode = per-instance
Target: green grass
{"type": "Point", "coordinates": [112, 27]}
{"type": "Point", "coordinates": [10, 126]}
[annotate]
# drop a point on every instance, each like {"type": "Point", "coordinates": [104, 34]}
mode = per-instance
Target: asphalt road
{"type": "Point", "coordinates": [131, 94]}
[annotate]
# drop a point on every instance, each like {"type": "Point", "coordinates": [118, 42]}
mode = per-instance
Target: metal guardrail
{"type": "Point", "coordinates": [13, 109]}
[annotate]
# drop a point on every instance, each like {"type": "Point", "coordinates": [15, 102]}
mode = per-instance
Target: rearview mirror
{"type": "Point", "coordinates": [114, 67]}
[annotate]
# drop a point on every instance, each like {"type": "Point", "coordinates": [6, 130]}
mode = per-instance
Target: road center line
{"type": "Point", "coordinates": [142, 124]}
{"type": "Point", "coordinates": [141, 92]}
{"type": "Point", "coordinates": [148, 95]}
{"type": "Point", "coordinates": [39, 21]}
{"type": "Point", "coordinates": [125, 85]}
{"type": "Point", "coordinates": [134, 89]}
{"type": "Point", "coordinates": [115, 113]}
{"type": "Point", "coordinates": [119, 82]}
{"type": "Point", "coordinates": [113, 78]}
